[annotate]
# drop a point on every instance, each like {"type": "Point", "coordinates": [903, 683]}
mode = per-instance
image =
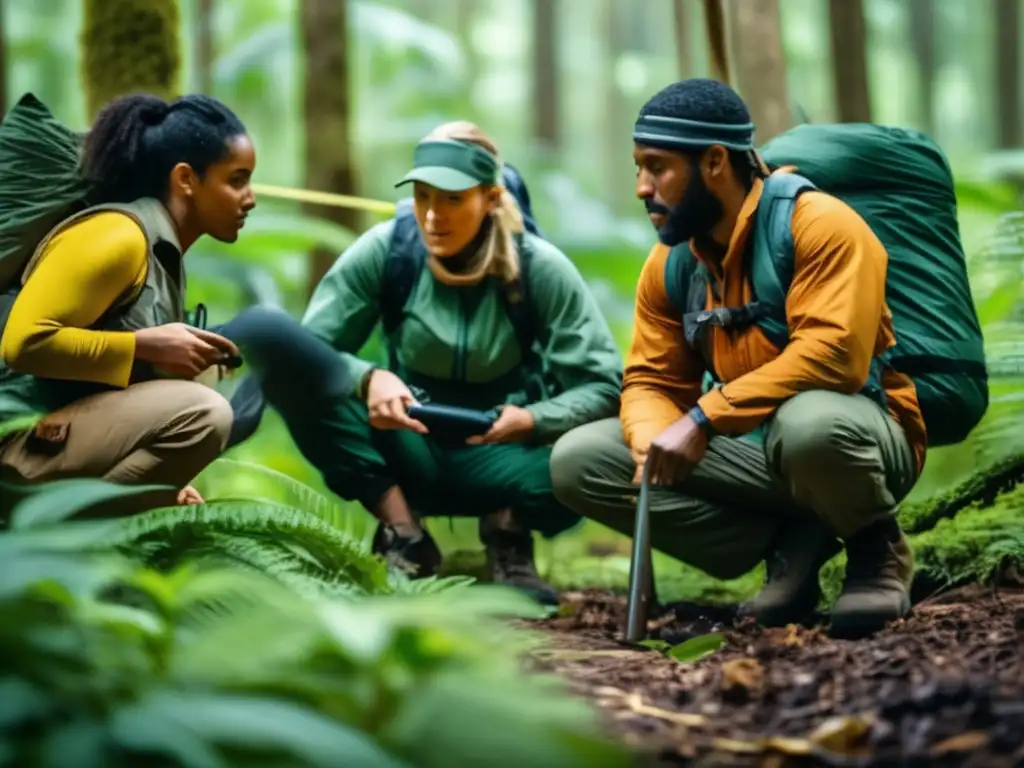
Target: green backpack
{"type": "Point", "coordinates": [39, 182]}
{"type": "Point", "coordinates": [900, 183]}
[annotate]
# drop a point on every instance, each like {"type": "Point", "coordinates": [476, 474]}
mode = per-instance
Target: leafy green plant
{"type": "Point", "coordinates": [691, 650]}
{"type": "Point", "coordinates": [108, 661]}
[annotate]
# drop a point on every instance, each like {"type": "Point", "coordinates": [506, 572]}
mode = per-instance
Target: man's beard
{"type": "Point", "coordinates": [694, 216]}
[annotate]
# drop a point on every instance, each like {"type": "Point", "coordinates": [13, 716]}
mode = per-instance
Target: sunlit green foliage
{"type": "Point", "coordinates": [253, 633]}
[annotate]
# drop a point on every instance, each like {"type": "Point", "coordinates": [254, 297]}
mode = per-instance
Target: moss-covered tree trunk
{"type": "Point", "coordinates": [330, 160]}
{"type": "Point", "coordinates": [129, 46]}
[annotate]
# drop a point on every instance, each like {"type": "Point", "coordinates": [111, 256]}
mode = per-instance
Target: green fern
{"type": "Point", "coordinates": [105, 663]}
{"type": "Point", "coordinates": [325, 549]}
{"type": "Point", "coordinates": [226, 478]}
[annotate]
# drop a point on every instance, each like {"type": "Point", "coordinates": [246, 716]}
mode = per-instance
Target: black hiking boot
{"type": "Point", "coordinates": [791, 592]}
{"type": "Point", "coordinates": [510, 557]}
{"type": "Point", "coordinates": [415, 555]}
{"type": "Point", "coordinates": [876, 590]}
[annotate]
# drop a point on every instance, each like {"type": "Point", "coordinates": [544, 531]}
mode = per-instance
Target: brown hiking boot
{"type": "Point", "coordinates": [414, 554]}
{"type": "Point", "coordinates": [510, 557]}
{"type": "Point", "coordinates": [876, 590]}
{"type": "Point", "coordinates": [791, 592]}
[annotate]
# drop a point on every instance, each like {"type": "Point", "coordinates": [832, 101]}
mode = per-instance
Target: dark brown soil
{"type": "Point", "coordinates": [943, 688]}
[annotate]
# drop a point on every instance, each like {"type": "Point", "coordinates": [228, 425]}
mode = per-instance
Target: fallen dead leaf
{"type": "Point", "coordinates": [789, 746]}
{"type": "Point", "coordinates": [962, 742]}
{"type": "Point", "coordinates": [636, 704]}
{"type": "Point", "coordinates": [742, 680]}
{"type": "Point", "coordinates": [847, 735]}
{"type": "Point", "coordinates": [738, 747]}
{"type": "Point", "coordinates": [570, 654]}
{"type": "Point", "coordinates": [793, 638]}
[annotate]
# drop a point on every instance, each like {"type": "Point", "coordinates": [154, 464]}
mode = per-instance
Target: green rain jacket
{"type": "Point", "coordinates": [459, 346]}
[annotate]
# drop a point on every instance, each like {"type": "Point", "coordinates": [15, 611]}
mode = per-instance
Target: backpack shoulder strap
{"type": "Point", "coordinates": [402, 267]}
{"type": "Point", "coordinates": [517, 298]}
{"type": "Point", "coordinates": [679, 272]}
{"type": "Point", "coordinates": [686, 284]}
{"type": "Point", "coordinates": [771, 261]}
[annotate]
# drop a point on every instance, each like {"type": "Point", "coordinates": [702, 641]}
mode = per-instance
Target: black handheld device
{"type": "Point", "coordinates": [451, 420]}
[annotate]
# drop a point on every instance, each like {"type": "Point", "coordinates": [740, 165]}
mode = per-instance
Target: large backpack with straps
{"type": "Point", "coordinates": [407, 257]}
{"type": "Point", "coordinates": [39, 183]}
{"type": "Point", "coordinates": [900, 183]}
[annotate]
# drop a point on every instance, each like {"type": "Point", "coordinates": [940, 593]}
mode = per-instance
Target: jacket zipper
{"type": "Point", "coordinates": [459, 364]}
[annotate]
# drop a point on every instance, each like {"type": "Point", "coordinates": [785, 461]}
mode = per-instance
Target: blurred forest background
{"type": "Point", "coordinates": [337, 92]}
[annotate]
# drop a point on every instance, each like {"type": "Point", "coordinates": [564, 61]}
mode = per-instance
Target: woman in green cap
{"type": "Point", "coordinates": [477, 313]}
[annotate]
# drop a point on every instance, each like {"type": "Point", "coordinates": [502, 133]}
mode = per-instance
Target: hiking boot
{"type": "Point", "coordinates": [791, 592]}
{"type": "Point", "coordinates": [876, 590]}
{"type": "Point", "coordinates": [510, 558]}
{"type": "Point", "coordinates": [414, 554]}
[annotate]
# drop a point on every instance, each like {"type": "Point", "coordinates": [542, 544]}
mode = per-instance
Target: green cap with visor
{"type": "Point", "coordinates": [451, 165]}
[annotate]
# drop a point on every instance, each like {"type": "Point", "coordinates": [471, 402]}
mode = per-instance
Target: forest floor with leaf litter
{"type": "Point", "coordinates": [945, 687]}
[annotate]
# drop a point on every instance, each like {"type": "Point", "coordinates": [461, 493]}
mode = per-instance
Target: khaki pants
{"type": "Point", "coordinates": [839, 457]}
{"type": "Point", "coordinates": [158, 432]}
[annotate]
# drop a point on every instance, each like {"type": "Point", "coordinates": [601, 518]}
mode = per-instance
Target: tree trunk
{"type": "Point", "coordinates": [714, 23]}
{"type": "Point", "coordinates": [129, 47]}
{"type": "Point", "coordinates": [682, 18]}
{"type": "Point", "coordinates": [465, 13]}
{"type": "Point", "coordinates": [618, 118]}
{"type": "Point", "coordinates": [848, 32]}
{"type": "Point", "coordinates": [756, 36]}
{"type": "Point", "coordinates": [922, 36]}
{"type": "Point", "coordinates": [546, 128]}
{"type": "Point", "coordinates": [204, 45]}
{"type": "Point", "coordinates": [327, 108]}
{"type": "Point", "coordinates": [1008, 20]}
{"type": "Point", "coordinates": [3, 59]}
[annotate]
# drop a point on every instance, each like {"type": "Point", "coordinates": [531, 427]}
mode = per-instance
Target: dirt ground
{"type": "Point", "coordinates": [943, 688]}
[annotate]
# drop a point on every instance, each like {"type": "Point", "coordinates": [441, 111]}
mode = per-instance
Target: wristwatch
{"type": "Point", "coordinates": [701, 420]}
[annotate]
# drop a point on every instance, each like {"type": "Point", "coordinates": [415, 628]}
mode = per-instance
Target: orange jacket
{"type": "Point", "coordinates": [838, 321]}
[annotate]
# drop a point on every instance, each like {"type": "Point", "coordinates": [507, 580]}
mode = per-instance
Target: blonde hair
{"type": "Point", "coordinates": [499, 254]}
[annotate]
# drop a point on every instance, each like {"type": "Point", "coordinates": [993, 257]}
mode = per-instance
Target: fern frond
{"type": "Point", "coordinates": [431, 585]}
{"type": "Point", "coordinates": [231, 478]}
{"type": "Point", "coordinates": [185, 527]}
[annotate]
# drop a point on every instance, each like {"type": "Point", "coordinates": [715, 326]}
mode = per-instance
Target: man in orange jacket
{"type": "Point", "coordinates": [787, 455]}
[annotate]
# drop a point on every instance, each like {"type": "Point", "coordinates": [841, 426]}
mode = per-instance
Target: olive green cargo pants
{"type": "Point", "coordinates": [840, 457]}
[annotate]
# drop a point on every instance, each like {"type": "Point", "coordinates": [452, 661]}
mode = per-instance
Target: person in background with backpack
{"type": "Point", "coordinates": [842, 439]}
{"type": "Point", "coordinates": [95, 351]}
{"type": "Point", "coordinates": [478, 314]}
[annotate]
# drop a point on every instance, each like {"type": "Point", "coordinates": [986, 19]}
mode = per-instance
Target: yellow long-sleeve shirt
{"type": "Point", "coordinates": [838, 321]}
{"type": "Point", "coordinates": [82, 272]}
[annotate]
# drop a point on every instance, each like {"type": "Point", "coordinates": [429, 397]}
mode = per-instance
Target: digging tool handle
{"type": "Point", "coordinates": [640, 566]}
